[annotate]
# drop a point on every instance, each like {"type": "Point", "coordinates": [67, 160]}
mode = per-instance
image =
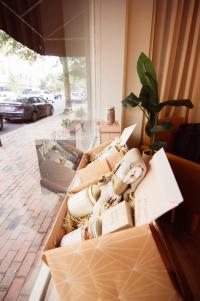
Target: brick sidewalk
{"type": "Point", "coordinates": [26, 210]}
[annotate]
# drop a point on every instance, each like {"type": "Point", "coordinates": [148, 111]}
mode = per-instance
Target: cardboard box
{"type": "Point", "coordinates": [90, 155]}
{"type": "Point", "coordinates": [88, 173]}
{"type": "Point", "coordinates": [156, 194]}
{"type": "Point", "coordinates": [92, 174]}
{"type": "Point", "coordinates": [125, 265]}
{"type": "Point", "coordinates": [57, 232]}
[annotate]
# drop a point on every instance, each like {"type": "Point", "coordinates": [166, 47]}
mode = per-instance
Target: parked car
{"type": "Point", "coordinates": [42, 93]}
{"type": "Point", "coordinates": [58, 95]}
{"type": "Point", "coordinates": [77, 97]}
{"type": "Point", "coordinates": [1, 121]}
{"type": "Point", "coordinates": [6, 93]}
{"type": "Point", "coordinates": [25, 108]}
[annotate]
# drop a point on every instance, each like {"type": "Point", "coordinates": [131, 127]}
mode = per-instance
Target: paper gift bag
{"type": "Point", "coordinates": [122, 266]}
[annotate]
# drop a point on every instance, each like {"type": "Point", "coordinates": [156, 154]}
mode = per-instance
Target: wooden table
{"type": "Point", "coordinates": [108, 132]}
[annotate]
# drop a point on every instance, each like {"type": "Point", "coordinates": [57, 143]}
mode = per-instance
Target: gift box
{"type": "Point", "coordinates": [125, 265]}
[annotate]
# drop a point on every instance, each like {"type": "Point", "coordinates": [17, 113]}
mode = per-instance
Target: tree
{"type": "Point", "coordinates": [67, 88]}
{"type": "Point", "coordinates": [43, 83]}
{"type": "Point", "coordinates": [74, 75]}
{"type": "Point", "coordinates": [77, 72]}
{"type": "Point", "coordinates": [10, 46]}
{"type": "Point", "coordinates": [14, 83]}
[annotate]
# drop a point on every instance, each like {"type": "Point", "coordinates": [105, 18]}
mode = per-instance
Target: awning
{"type": "Point", "coordinates": [51, 27]}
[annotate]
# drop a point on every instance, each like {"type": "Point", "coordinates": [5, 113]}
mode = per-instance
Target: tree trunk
{"type": "Point", "coordinates": [67, 88]}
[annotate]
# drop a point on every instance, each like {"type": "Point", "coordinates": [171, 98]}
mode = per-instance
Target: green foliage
{"type": "Point", "coordinates": [65, 123]}
{"type": "Point", "coordinates": [11, 47]}
{"type": "Point", "coordinates": [75, 67]}
{"type": "Point", "coordinates": [148, 77]}
{"type": "Point", "coordinates": [14, 83]}
{"type": "Point", "coordinates": [148, 101]}
{"type": "Point", "coordinates": [43, 83]}
{"type": "Point", "coordinates": [80, 113]}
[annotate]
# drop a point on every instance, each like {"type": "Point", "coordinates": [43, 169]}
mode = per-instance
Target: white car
{"type": "Point", "coordinates": [77, 97]}
{"type": "Point", "coordinates": [45, 94]}
{"type": "Point", "coordinates": [6, 93]}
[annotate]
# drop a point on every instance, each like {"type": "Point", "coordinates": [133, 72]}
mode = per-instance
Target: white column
{"type": "Point", "coordinates": [109, 51]}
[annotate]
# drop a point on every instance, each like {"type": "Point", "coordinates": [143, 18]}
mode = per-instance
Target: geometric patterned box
{"type": "Point", "coordinates": [124, 266]}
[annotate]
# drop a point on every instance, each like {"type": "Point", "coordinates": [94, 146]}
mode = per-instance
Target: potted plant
{"type": "Point", "coordinates": [65, 123]}
{"type": "Point", "coordinates": [148, 101]}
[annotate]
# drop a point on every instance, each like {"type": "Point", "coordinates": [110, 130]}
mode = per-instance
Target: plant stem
{"type": "Point", "coordinates": [154, 135]}
{"type": "Point", "coordinates": [143, 111]}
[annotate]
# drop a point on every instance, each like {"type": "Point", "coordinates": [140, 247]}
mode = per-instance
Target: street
{"type": "Point", "coordinates": [27, 210]}
{"type": "Point", "coordinates": [58, 104]}
{"type": "Point", "coordinates": [16, 124]}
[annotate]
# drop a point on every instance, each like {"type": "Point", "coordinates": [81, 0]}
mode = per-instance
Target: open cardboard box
{"type": "Point", "coordinates": [125, 265]}
{"type": "Point", "coordinates": [58, 231]}
{"type": "Point", "coordinates": [88, 173]}
{"type": "Point", "coordinates": [93, 173]}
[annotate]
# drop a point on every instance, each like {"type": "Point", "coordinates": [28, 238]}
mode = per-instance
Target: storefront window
{"type": "Point", "coordinates": [46, 53]}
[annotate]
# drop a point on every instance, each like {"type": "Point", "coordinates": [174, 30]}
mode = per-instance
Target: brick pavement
{"type": "Point", "coordinates": [26, 210]}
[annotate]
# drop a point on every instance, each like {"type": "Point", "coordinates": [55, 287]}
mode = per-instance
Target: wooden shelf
{"type": "Point", "coordinates": [108, 132]}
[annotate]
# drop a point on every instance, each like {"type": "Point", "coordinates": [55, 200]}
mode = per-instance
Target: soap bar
{"type": "Point", "coordinates": [117, 218]}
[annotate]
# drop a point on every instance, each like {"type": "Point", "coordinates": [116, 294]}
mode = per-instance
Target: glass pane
{"type": "Point", "coordinates": [56, 66]}
{"type": "Point", "coordinates": [45, 58]}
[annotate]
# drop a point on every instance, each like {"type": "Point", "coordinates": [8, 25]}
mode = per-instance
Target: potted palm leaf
{"type": "Point", "coordinates": [148, 101]}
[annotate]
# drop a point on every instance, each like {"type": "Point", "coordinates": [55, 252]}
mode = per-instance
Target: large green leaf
{"type": "Point", "coordinates": [144, 64]}
{"type": "Point", "coordinates": [131, 101]}
{"type": "Point", "coordinates": [153, 87]}
{"type": "Point", "coordinates": [149, 126]}
{"type": "Point", "coordinates": [173, 103]}
{"type": "Point", "coordinates": [145, 95]}
{"type": "Point", "coordinates": [148, 129]}
{"type": "Point", "coordinates": [158, 145]}
{"type": "Point", "coordinates": [166, 125]}
{"type": "Point", "coordinates": [147, 75]}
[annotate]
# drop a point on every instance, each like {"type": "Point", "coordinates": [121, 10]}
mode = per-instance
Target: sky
{"type": "Point", "coordinates": [30, 73]}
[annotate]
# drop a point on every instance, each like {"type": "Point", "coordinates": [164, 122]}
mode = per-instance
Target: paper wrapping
{"type": "Point", "coordinates": [93, 173]}
{"type": "Point", "coordinates": [124, 266]}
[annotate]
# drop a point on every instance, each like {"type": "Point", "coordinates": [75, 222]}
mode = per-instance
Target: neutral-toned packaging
{"type": "Point", "coordinates": [125, 265]}
{"type": "Point", "coordinates": [71, 238]}
{"type": "Point", "coordinates": [117, 218]}
{"type": "Point", "coordinates": [156, 194]}
{"type": "Point", "coordinates": [100, 161]}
